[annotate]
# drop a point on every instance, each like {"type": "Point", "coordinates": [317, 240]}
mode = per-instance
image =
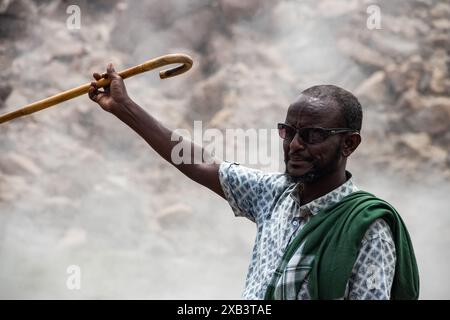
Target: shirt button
{"type": "Point", "coordinates": [295, 223]}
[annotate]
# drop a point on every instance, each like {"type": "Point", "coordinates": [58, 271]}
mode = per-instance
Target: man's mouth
{"type": "Point", "coordinates": [299, 164]}
{"type": "Point", "coordinates": [298, 160]}
{"type": "Point", "coordinates": [295, 162]}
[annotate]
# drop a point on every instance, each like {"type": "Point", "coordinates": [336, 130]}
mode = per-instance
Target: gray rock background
{"type": "Point", "coordinates": [77, 187]}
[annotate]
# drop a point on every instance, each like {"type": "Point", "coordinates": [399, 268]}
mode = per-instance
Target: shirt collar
{"type": "Point", "coordinates": [326, 200]}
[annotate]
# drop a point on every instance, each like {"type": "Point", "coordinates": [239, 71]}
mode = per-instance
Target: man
{"type": "Point", "coordinates": [318, 236]}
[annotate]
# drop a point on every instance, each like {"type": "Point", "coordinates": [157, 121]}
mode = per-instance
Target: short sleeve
{"type": "Point", "coordinates": [250, 192]}
{"type": "Point", "coordinates": [374, 269]}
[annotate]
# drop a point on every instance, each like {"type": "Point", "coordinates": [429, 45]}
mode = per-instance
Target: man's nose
{"type": "Point", "coordinates": [297, 143]}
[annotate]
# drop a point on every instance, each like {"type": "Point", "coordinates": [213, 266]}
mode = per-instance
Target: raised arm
{"type": "Point", "coordinates": [115, 100]}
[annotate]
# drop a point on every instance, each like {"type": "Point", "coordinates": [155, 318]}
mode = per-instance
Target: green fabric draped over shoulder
{"type": "Point", "coordinates": [333, 237]}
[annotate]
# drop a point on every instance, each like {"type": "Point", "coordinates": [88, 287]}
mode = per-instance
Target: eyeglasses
{"type": "Point", "coordinates": [309, 135]}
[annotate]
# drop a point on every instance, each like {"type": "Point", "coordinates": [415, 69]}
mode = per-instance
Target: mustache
{"type": "Point", "coordinates": [297, 156]}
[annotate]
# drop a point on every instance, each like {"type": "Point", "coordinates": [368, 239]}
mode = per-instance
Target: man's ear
{"type": "Point", "coordinates": [350, 143]}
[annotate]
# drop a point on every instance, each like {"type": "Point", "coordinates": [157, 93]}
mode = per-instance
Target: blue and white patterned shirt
{"type": "Point", "coordinates": [273, 203]}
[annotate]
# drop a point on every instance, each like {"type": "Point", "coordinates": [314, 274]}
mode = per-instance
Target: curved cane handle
{"type": "Point", "coordinates": [185, 60]}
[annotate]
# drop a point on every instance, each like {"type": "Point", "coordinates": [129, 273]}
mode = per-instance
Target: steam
{"type": "Point", "coordinates": [77, 187]}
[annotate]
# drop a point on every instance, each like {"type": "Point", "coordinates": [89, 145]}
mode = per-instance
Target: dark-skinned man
{"type": "Point", "coordinates": [318, 235]}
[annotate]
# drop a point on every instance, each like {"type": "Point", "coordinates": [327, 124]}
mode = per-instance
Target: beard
{"type": "Point", "coordinates": [316, 172]}
{"type": "Point", "coordinates": [307, 178]}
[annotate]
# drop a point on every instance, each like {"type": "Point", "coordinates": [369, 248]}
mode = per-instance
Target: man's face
{"type": "Point", "coordinates": [309, 162]}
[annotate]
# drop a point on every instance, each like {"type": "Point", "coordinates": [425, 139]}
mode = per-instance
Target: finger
{"type": "Point", "coordinates": [99, 89]}
{"type": "Point", "coordinates": [93, 92]}
{"type": "Point", "coordinates": [112, 74]}
{"type": "Point", "coordinates": [97, 76]}
{"type": "Point", "coordinates": [110, 68]}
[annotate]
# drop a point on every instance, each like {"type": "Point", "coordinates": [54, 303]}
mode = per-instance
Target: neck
{"type": "Point", "coordinates": [316, 189]}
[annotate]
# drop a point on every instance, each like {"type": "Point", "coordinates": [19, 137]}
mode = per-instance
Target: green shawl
{"type": "Point", "coordinates": [330, 242]}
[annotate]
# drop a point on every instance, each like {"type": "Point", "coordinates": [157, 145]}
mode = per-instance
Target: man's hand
{"type": "Point", "coordinates": [113, 97]}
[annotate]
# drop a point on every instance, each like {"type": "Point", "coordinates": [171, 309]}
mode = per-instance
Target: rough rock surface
{"type": "Point", "coordinates": [77, 187]}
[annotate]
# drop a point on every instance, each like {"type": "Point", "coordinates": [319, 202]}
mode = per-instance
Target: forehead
{"type": "Point", "coordinates": [314, 112]}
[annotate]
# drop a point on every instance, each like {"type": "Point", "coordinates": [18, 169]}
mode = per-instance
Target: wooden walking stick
{"type": "Point", "coordinates": [185, 60]}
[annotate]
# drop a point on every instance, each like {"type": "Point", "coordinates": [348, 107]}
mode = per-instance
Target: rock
{"type": "Point", "coordinates": [332, 9]}
{"type": "Point", "coordinates": [373, 88]}
{"type": "Point", "coordinates": [220, 118]}
{"type": "Point", "coordinates": [438, 65]}
{"type": "Point", "coordinates": [440, 10]}
{"type": "Point", "coordinates": [436, 101]}
{"type": "Point", "coordinates": [55, 201]}
{"type": "Point", "coordinates": [433, 118]}
{"type": "Point", "coordinates": [426, 3]}
{"type": "Point", "coordinates": [73, 237]}
{"type": "Point", "coordinates": [406, 76]}
{"type": "Point", "coordinates": [442, 24]}
{"type": "Point", "coordinates": [15, 17]}
{"type": "Point", "coordinates": [4, 4]}
{"type": "Point", "coordinates": [207, 98]}
{"type": "Point", "coordinates": [201, 21]}
{"type": "Point", "coordinates": [421, 144]}
{"type": "Point", "coordinates": [174, 215]}
{"type": "Point", "coordinates": [393, 45]}
{"type": "Point", "coordinates": [12, 187]}
{"type": "Point", "coordinates": [363, 55]}
{"type": "Point", "coordinates": [16, 164]}
{"type": "Point", "coordinates": [238, 9]}
{"type": "Point", "coordinates": [410, 100]}
{"type": "Point", "coordinates": [438, 40]}
{"type": "Point", "coordinates": [72, 47]}
{"type": "Point", "coordinates": [402, 27]}
{"type": "Point", "coordinates": [5, 91]}
{"type": "Point", "coordinates": [122, 6]}
{"type": "Point", "coordinates": [118, 181]}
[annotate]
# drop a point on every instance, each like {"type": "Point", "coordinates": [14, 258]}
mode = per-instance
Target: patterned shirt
{"type": "Point", "coordinates": [273, 203]}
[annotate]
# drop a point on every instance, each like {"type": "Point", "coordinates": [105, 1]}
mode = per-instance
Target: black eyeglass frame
{"type": "Point", "coordinates": [328, 132]}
